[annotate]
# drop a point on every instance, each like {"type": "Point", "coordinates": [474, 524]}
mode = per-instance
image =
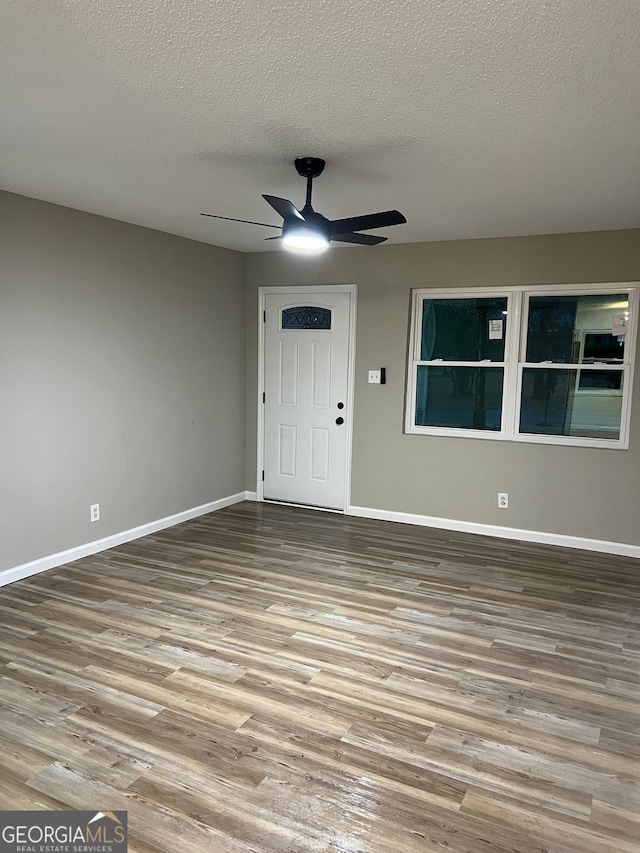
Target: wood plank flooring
{"type": "Point", "coordinates": [279, 680]}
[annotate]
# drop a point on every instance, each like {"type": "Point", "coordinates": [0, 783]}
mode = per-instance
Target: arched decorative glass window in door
{"type": "Point", "coordinates": [306, 317]}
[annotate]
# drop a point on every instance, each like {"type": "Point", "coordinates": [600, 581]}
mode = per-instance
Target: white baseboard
{"type": "Point", "coordinates": [502, 532]}
{"type": "Point", "coordinates": [68, 556]}
{"type": "Point", "coordinates": [62, 557]}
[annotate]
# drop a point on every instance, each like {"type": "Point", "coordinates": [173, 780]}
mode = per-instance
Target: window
{"type": "Point", "coordinates": [460, 376]}
{"type": "Point", "coordinates": [543, 365]}
{"type": "Point", "coordinates": [306, 317]}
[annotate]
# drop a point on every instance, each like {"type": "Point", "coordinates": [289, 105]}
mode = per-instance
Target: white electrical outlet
{"type": "Point", "coordinates": [374, 377]}
{"type": "Point", "coordinates": [95, 512]}
{"type": "Point", "coordinates": [503, 500]}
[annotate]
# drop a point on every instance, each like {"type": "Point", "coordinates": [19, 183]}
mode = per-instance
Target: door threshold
{"type": "Point", "coordinates": [303, 506]}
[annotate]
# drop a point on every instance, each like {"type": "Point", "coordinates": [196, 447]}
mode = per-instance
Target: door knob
{"type": "Point", "coordinates": [339, 421]}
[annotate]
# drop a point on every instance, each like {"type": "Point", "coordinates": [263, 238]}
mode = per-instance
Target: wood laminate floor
{"type": "Point", "coordinates": [281, 680]}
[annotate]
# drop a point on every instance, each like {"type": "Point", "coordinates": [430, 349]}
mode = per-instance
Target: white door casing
{"type": "Point", "coordinates": [307, 387]}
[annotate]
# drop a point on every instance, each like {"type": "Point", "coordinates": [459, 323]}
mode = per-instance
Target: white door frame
{"type": "Point", "coordinates": [350, 289]}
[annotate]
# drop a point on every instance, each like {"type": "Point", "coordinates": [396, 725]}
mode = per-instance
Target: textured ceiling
{"type": "Point", "coordinates": [475, 118]}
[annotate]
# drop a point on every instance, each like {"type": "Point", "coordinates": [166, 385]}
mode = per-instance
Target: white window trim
{"type": "Point", "coordinates": [515, 343]}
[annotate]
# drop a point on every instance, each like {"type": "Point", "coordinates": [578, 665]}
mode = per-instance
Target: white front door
{"type": "Point", "coordinates": [306, 404]}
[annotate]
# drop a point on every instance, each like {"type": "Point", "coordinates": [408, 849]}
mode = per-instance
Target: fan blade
{"type": "Point", "coordinates": [284, 207]}
{"type": "Point", "coordinates": [364, 223]}
{"type": "Point", "coordinates": [279, 237]}
{"type": "Point", "coordinates": [246, 221]}
{"type": "Point", "coordinates": [363, 239]}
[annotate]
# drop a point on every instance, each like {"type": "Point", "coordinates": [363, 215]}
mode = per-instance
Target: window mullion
{"type": "Point", "coordinates": [511, 356]}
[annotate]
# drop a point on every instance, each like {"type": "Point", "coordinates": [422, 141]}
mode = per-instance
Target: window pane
{"type": "Point", "coordinates": [571, 329]}
{"type": "Point", "coordinates": [459, 397]}
{"type": "Point", "coordinates": [306, 317]}
{"type": "Point", "coordinates": [553, 405]}
{"type": "Point", "coordinates": [599, 346]}
{"type": "Point", "coordinates": [604, 380]}
{"type": "Point", "coordinates": [460, 329]}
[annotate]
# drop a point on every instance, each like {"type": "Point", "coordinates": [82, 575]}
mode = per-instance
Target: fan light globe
{"type": "Point", "coordinates": [305, 241]}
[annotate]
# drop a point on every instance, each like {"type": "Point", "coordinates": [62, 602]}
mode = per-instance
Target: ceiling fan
{"type": "Point", "coordinates": [308, 231]}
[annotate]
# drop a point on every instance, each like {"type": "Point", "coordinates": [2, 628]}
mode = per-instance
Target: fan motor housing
{"type": "Point", "coordinates": [309, 167]}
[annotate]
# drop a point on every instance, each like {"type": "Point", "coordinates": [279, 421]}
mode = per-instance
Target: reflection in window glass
{"type": "Point", "coordinates": [599, 346]}
{"type": "Point", "coordinates": [603, 380]}
{"type": "Point", "coordinates": [461, 397]}
{"type": "Point", "coordinates": [552, 405]}
{"type": "Point", "coordinates": [463, 329]}
{"type": "Point", "coordinates": [556, 327]}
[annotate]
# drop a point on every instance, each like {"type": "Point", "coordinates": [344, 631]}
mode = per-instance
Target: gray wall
{"type": "Point", "coordinates": [576, 491]}
{"type": "Point", "coordinates": [126, 354]}
{"type": "Point", "coordinates": [122, 376]}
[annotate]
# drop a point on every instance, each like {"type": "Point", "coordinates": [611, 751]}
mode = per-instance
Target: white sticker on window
{"type": "Point", "coordinates": [619, 324]}
{"type": "Point", "coordinates": [495, 330]}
